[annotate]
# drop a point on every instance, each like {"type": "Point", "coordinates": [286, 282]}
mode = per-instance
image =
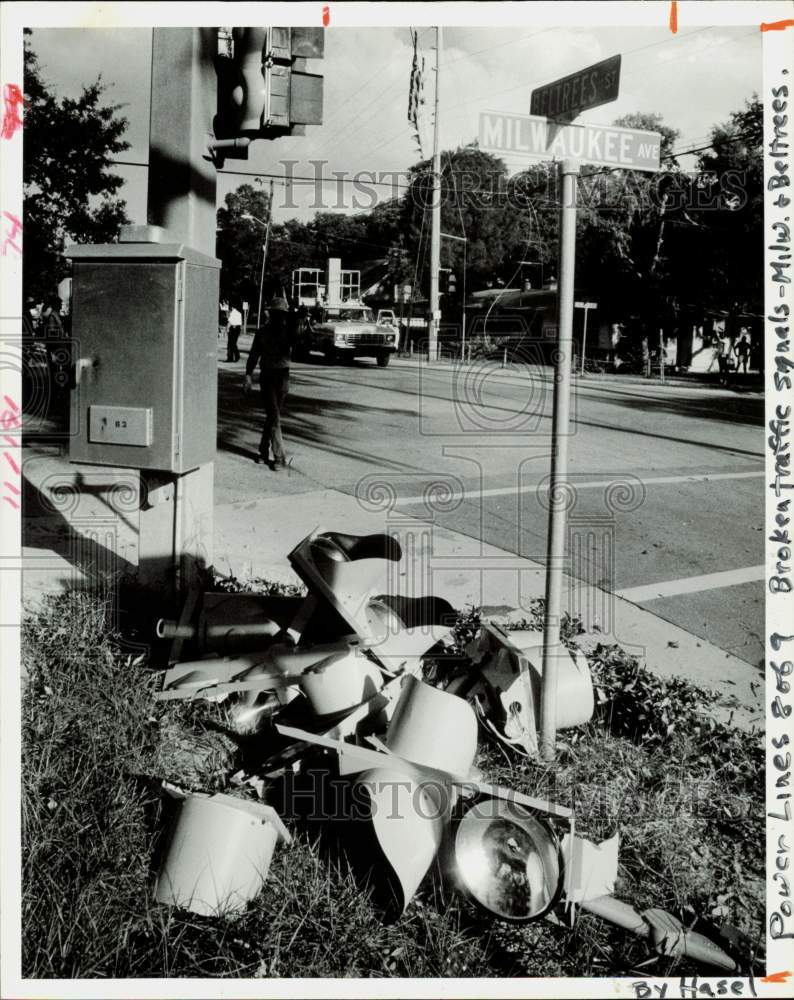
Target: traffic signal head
{"type": "Point", "coordinates": [263, 88]}
{"type": "Point", "coordinates": [447, 282]}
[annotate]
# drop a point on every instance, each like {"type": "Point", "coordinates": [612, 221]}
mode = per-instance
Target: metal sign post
{"type": "Point", "coordinates": [587, 306]}
{"type": "Point", "coordinates": [548, 134]}
{"type": "Point", "coordinates": [569, 171]}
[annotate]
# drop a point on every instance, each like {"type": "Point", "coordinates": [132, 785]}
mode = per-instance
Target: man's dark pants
{"type": "Point", "coordinates": [274, 384]}
{"type": "Point", "coordinates": [232, 350]}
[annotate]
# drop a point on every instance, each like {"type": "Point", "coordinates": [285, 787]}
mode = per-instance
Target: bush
{"type": "Point", "coordinates": [682, 791]}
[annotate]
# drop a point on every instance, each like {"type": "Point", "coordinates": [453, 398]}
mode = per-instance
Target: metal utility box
{"type": "Point", "coordinates": [145, 329]}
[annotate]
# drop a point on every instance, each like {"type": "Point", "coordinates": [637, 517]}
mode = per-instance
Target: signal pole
{"type": "Point", "coordinates": [435, 230]}
{"type": "Point", "coordinates": [176, 524]}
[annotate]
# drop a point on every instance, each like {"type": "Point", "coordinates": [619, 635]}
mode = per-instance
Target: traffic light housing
{"type": "Point", "coordinates": [447, 282]}
{"type": "Point", "coordinates": [264, 89]}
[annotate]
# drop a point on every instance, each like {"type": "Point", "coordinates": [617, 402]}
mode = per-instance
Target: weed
{"type": "Point", "coordinates": [682, 791]}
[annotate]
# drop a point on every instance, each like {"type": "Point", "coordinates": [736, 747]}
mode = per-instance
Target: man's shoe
{"type": "Point", "coordinates": [261, 460]}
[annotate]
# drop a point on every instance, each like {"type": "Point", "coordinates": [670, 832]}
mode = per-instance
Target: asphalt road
{"type": "Point", "coordinates": [668, 502]}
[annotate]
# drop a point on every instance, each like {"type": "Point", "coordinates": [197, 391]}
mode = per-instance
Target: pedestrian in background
{"type": "Point", "coordinates": [272, 349]}
{"type": "Point", "coordinates": [233, 333]}
{"type": "Point", "coordinates": [646, 356]}
{"type": "Point", "coordinates": [743, 352]}
{"type": "Point", "coordinates": [725, 351]}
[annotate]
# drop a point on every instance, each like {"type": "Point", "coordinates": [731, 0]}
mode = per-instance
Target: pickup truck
{"type": "Point", "coordinates": [347, 331]}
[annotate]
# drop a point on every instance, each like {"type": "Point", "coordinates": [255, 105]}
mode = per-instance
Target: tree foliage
{"type": "Point", "coordinates": [242, 223]}
{"type": "Point", "coordinates": [730, 213]}
{"type": "Point", "coordinates": [654, 249]}
{"type": "Point", "coordinates": [70, 191]}
{"type": "Point", "coordinates": [474, 204]}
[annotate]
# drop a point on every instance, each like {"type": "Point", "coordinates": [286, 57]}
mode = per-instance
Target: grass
{"type": "Point", "coordinates": [682, 791]}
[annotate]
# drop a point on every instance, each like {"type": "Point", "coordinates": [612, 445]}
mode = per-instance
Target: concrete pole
{"type": "Point", "coordinates": [182, 180]}
{"type": "Point", "coordinates": [435, 231]}
{"type": "Point", "coordinates": [177, 528]}
{"type": "Point", "coordinates": [569, 171]}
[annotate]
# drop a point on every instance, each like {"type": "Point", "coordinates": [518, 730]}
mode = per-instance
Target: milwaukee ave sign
{"type": "Point", "coordinates": [538, 138]}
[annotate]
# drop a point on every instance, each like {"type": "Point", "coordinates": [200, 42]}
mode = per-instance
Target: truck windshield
{"type": "Point", "coordinates": [359, 315]}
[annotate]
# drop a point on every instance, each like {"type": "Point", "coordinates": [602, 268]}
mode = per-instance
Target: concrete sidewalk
{"type": "Point", "coordinates": [253, 537]}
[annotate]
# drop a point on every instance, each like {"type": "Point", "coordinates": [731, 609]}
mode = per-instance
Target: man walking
{"type": "Point", "coordinates": [742, 350]}
{"type": "Point", "coordinates": [232, 334]}
{"type": "Point", "coordinates": [724, 359]}
{"type": "Point", "coordinates": [271, 349]}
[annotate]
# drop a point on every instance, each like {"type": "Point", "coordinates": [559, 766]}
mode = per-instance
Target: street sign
{"type": "Point", "coordinates": [586, 305]}
{"type": "Point", "coordinates": [605, 145]}
{"type": "Point", "coordinates": [587, 88]}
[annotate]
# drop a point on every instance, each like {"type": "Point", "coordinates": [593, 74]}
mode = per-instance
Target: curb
{"type": "Point", "coordinates": [591, 380]}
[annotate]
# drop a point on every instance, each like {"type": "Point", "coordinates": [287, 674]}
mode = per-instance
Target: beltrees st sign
{"type": "Point", "coordinates": [587, 88]}
{"type": "Point", "coordinates": [539, 138]}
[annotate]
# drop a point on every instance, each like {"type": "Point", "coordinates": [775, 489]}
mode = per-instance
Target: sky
{"type": "Point", "coordinates": [694, 79]}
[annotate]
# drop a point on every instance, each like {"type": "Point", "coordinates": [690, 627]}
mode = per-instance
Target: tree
{"type": "Point", "coordinates": [625, 239]}
{"type": "Point", "coordinates": [729, 214]}
{"type": "Point", "coordinates": [652, 122]}
{"type": "Point", "coordinates": [241, 241]}
{"type": "Point", "coordinates": [474, 204]}
{"type": "Point", "coordinates": [69, 190]}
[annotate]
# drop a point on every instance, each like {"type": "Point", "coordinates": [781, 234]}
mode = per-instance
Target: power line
{"type": "Point", "coordinates": [639, 48]}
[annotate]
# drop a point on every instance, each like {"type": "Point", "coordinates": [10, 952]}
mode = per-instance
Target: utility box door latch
{"type": "Point", "coordinates": [131, 425]}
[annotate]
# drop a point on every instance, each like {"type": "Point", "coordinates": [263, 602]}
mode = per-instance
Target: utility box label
{"type": "Point", "coordinates": [130, 425]}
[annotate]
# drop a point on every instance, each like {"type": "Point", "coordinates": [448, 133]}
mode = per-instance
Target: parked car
{"type": "Point", "coordinates": [347, 331]}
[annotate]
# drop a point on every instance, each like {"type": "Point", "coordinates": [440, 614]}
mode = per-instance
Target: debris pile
{"type": "Point", "coordinates": [342, 671]}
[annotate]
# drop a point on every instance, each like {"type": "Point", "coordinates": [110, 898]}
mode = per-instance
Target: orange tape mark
{"type": "Point", "coordinates": [776, 977]}
{"type": "Point", "coordinates": [673, 16]}
{"type": "Point", "coordinates": [776, 25]}
{"type": "Point", "coordinates": [326, 16]}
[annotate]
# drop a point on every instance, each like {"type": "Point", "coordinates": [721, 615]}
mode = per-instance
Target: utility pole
{"type": "Point", "coordinates": [264, 255]}
{"type": "Point", "coordinates": [435, 231]}
{"type": "Point", "coordinates": [464, 241]}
